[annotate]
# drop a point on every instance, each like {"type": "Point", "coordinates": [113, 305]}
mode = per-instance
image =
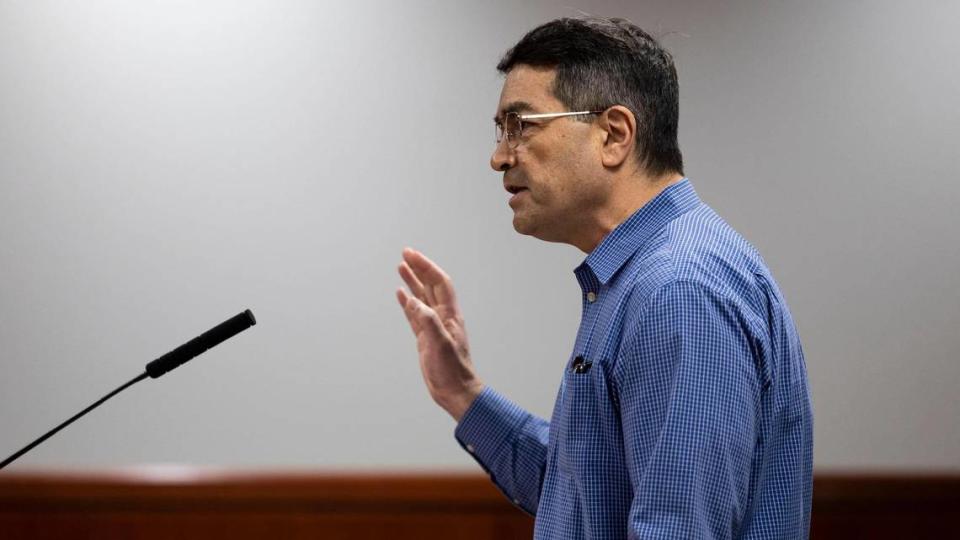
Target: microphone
{"type": "Point", "coordinates": [200, 344]}
{"type": "Point", "coordinates": [172, 360]}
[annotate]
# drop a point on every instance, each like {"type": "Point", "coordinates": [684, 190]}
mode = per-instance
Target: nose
{"type": "Point", "coordinates": [503, 156]}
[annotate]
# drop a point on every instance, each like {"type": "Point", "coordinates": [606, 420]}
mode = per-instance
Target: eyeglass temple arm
{"type": "Point", "coordinates": [554, 115]}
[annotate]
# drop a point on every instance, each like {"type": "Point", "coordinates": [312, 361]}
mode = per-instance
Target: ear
{"type": "Point", "coordinates": [620, 135]}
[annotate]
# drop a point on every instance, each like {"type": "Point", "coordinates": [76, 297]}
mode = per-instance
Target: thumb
{"type": "Point", "coordinates": [404, 299]}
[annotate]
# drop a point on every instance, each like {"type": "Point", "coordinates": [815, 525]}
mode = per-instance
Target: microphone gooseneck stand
{"type": "Point", "coordinates": [173, 359]}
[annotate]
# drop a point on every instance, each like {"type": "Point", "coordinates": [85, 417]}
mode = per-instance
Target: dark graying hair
{"type": "Point", "coordinates": [604, 62]}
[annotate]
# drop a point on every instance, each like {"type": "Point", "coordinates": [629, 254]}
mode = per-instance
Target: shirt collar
{"type": "Point", "coordinates": [626, 238]}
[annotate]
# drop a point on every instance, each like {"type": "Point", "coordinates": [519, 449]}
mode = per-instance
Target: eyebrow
{"type": "Point", "coordinates": [514, 106]}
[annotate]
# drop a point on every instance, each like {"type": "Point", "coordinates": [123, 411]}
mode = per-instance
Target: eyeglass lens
{"type": "Point", "coordinates": [511, 127]}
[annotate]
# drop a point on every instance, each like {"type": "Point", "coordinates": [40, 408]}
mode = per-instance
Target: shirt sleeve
{"type": "Point", "coordinates": [689, 389]}
{"type": "Point", "coordinates": [509, 443]}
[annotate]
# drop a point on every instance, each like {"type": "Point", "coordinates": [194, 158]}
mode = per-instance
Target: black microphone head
{"type": "Point", "coordinates": [211, 338]}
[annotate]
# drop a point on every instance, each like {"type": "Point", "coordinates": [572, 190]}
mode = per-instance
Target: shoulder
{"type": "Point", "coordinates": [696, 262]}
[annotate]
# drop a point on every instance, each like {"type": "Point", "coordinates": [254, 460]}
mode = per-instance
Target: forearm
{"type": "Point", "coordinates": [509, 443]}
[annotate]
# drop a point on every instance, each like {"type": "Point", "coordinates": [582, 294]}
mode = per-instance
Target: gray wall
{"type": "Point", "coordinates": [164, 165]}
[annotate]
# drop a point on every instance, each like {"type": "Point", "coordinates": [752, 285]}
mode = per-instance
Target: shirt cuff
{"type": "Point", "coordinates": [489, 423]}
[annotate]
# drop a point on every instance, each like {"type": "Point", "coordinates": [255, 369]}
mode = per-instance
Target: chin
{"type": "Point", "coordinates": [520, 226]}
{"type": "Point", "coordinates": [528, 228]}
{"type": "Point", "coordinates": [546, 234]}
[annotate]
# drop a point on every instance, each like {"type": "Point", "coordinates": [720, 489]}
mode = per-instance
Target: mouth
{"type": "Point", "coordinates": [517, 193]}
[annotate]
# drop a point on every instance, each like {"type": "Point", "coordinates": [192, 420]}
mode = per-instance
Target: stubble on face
{"type": "Point", "coordinates": [552, 161]}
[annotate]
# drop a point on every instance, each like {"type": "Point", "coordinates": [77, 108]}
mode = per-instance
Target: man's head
{"type": "Point", "coordinates": [604, 62]}
{"type": "Point", "coordinates": [628, 83]}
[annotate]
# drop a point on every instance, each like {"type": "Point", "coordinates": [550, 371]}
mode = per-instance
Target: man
{"type": "Point", "coordinates": [683, 410]}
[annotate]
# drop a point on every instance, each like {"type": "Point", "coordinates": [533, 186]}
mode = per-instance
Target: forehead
{"type": "Point", "coordinates": [528, 89]}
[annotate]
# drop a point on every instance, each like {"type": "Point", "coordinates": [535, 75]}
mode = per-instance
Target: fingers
{"type": "Point", "coordinates": [421, 317]}
{"type": "Point", "coordinates": [426, 269]}
{"type": "Point", "coordinates": [437, 285]}
{"type": "Point", "coordinates": [404, 300]}
{"type": "Point", "coordinates": [414, 283]}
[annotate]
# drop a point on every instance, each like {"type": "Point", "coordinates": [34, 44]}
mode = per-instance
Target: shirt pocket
{"type": "Point", "coordinates": [580, 423]}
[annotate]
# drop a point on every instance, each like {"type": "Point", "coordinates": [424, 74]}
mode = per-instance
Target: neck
{"type": "Point", "coordinates": [628, 195]}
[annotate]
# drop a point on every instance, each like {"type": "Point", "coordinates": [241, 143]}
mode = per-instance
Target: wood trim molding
{"type": "Point", "coordinates": [154, 502]}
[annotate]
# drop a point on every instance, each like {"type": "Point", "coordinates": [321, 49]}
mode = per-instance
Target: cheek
{"type": "Point", "coordinates": [554, 173]}
{"type": "Point", "coordinates": [568, 179]}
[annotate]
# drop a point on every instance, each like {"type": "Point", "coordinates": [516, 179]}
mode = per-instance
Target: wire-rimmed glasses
{"type": "Point", "coordinates": [511, 126]}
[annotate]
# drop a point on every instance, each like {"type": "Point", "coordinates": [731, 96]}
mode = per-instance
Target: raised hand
{"type": "Point", "coordinates": [434, 316]}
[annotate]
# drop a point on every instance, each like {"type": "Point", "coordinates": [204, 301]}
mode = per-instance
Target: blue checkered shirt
{"type": "Point", "coordinates": [684, 410]}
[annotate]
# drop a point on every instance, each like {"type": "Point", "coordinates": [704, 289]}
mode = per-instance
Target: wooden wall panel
{"type": "Point", "coordinates": [189, 503]}
{"type": "Point", "coordinates": [855, 506]}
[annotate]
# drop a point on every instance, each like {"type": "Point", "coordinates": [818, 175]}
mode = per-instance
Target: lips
{"type": "Point", "coordinates": [515, 184]}
{"type": "Point", "coordinates": [518, 194]}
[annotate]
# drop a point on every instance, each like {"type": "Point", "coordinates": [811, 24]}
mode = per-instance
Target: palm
{"type": "Point", "coordinates": [434, 316]}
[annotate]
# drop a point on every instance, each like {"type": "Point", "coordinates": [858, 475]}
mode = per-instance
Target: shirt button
{"type": "Point", "coordinates": [470, 448]}
{"type": "Point", "coordinates": [516, 502]}
{"type": "Point", "coordinates": [591, 296]}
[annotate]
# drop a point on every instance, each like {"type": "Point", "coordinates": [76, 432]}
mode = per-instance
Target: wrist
{"type": "Point", "coordinates": [457, 405]}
